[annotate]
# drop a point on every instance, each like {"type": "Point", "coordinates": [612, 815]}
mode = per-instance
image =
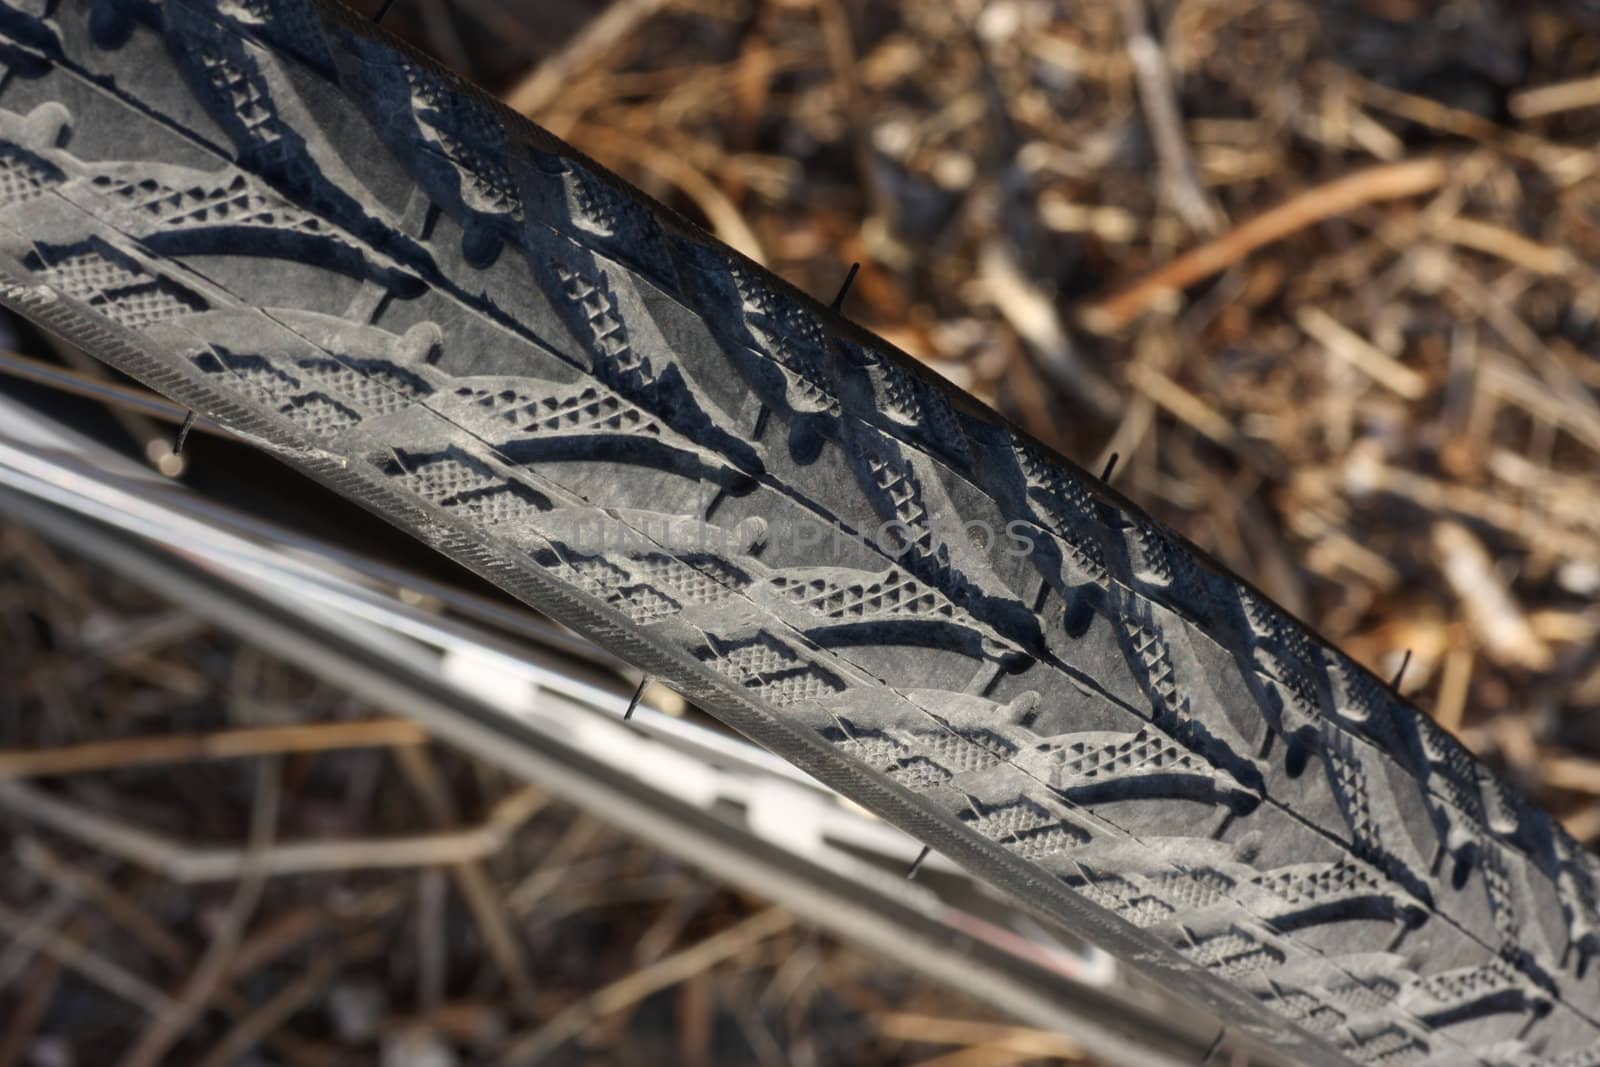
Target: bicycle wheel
{"type": "Point", "coordinates": [320, 240]}
{"type": "Point", "coordinates": [549, 709]}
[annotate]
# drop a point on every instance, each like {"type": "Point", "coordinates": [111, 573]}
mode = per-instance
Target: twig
{"type": "Point", "coordinates": [187, 865]}
{"type": "Point", "coordinates": [1578, 774]}
{"type": "Point", "coordinates": [1583, 824]}
{"type": "Point", "coordinates": [1559, 407]}
{"type": "Point", "coordinates": [1181, 403]}
{"type": "Point", "coordinates": [539, 88]}
{"type": "Point", "coordinates": [1341, 341]}
{"type": "Point", "coordinates": [115, 904]}
{"type": "Point", "coordinates": [1559, 378]}
{"type": "Point", "coordinates": [531, 1046]}
{"type": "Point", "coordinates": [276, 936]}
{"type": "Point", "coordinates": [487, 906]}
{"type": "Point", "coordinates": [845, 69]}
{"type": "Point", "coordinates": [1365, 473]}
{"type": "Point", "coordinates": [226, 744]}
{"type": "Point", "coordinates": [254, 1027]}
{"type": "Point", "coordinates": [1554, 99]}
{"type": "Point", "coordinates": [148, 850]}
{"type": "Point", "coordinates": [1507, 244]}
{"type": "Point", "coordinates": [606, 892]}
{"type": "Point", "coordinates": [552, 868]}
{"type": "Point", "coordinates": [1179, 178]}
{"type": "Point", "coordinates": [45, 920]}
{"type": "Point", "coordinates": [1563, 163]}
{"type": "Point", "coordinates": [696, 1016]}
{"type": "Point", "coordinates": [211, 971]}
{"type": "Point", "coordinates": [282, 934]}
{"type": "Point", "coordinates": [153, 439]}
{"type": "Point", "coordinates": [1278, 574]}
{"type": "Point", "coordinates": [42, 559]}
{"type": "Point", "coordinates": [1138, 417]}
{"type": "Point", "coordinates": [979, 1056]}
{"type": "Point", "coordinates": [1454, 687]}
{"type": "Point", "coordinates": [430, 939]}
{"type": "Point", "coordinates": [479, 1023]}
{"type": "Point", "coordinates": [1490, 610]}
{"type": "Point", "coordinates": [663, 932]}
{"type": "Point", "coordinates": [1388, 181]}
{"type": "Point", "coordinates": [753, 1022]}
{"type": "Point", "coordinates": [85, 963]}
{"type": "Point", "coordinates": [254, 952]}
{"type": "Point", "coordinates": [27, 1016]}
{"type": "Point", "coordinates": [1032, 313]}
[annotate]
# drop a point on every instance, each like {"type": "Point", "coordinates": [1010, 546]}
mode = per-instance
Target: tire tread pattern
{"type": "Point", "coordinates": [265, 208]}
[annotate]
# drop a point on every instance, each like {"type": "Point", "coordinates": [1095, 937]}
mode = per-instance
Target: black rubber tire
{"type": "Point", "coordinates": [267, 211]}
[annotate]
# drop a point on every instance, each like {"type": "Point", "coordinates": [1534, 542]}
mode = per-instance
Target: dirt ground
{"type": "Point", "coordinates": [1321, 277]}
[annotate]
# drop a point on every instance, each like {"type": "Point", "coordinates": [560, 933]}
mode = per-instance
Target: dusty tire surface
{"type": "Point", "coordinates": [267, 211]}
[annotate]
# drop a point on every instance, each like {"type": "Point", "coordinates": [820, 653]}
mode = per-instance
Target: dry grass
{"type": "Point", "coordinates": [1323, 275]}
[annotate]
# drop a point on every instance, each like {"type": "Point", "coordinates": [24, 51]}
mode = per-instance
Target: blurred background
{"type": "Point", "coordinates": [1322, 277]}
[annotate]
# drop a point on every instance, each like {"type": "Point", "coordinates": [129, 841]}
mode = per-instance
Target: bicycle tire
{"type": "Point", "coordinates": [271, 212]}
